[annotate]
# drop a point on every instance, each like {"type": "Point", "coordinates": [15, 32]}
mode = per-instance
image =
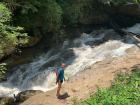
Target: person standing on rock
{"type": "Point", "coordinates": [59, 78]}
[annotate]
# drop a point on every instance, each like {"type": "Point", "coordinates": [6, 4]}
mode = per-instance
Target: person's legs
{"type": "Point", "coordinates": [58, 88]}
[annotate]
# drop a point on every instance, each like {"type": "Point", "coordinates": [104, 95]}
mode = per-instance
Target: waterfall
{"type": "Point", "coordinates": [78, 54]}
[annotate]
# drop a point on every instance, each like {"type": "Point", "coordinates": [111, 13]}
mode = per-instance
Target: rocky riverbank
{"type": "Point", "coordinates": [19, 98]}
{"type": "Point", "coordinates": [83, 84]}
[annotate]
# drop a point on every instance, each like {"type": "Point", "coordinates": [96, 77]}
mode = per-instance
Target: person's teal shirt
{"type": "Point", "coordinates": [61, 73]}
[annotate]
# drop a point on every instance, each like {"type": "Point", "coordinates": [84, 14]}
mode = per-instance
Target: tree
{"type": "Point", "coordinates": [51, 14]}
{"type": "Point", "coordinates": [75, 10]}
{"type": "Point", "coordinates": [8, 33]}
{"type": "Point", "coordinates": [39, 16]}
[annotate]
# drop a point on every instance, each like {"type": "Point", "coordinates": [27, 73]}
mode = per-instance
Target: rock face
{"type": "Point", "coordinates": [7, 101]}
{"type": "Point", "coordinates": [94, 19]}
{"type": "Point", "coordinates": [22, 96]}
{"type": "Point", "coordinates": [128, 9]}
{"type": "Point", "coordinates": [15, 50]}
{"type": "Point", "coordinates": [101, 17]}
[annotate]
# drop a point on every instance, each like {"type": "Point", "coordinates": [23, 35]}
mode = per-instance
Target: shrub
{"type": "Point", "coordinates": [125, 91]}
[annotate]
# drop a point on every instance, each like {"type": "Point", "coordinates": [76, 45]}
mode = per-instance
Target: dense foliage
{"type": "Point", "coordinates": [78, 9]}
{"type": "Point", "coordinates": [125, 91]}
{"type": "Point", "coordinates": [39, 17]}
{"type": "Point", "coordinates": [8, 33]}
{"type": "Point", "coordinates": [8, 36]}
{"type": "Point", "coordinates": [45, 17]}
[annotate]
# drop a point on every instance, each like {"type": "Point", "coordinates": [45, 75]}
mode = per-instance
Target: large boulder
{"type": "Point", "coordinates": [22, 96]}
{"type": "Point", "coordinates": [7, 101]}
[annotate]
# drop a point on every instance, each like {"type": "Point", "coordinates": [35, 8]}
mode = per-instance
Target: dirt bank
{"type": "Point", "coordinates": [83, 84]}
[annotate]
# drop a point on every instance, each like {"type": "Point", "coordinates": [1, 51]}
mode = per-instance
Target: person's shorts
{"type": "Point", "coordinates": [61, 81]}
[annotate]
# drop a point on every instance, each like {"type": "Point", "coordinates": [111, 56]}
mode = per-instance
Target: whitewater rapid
{"type": "Point", "coordinates": [78, 54]}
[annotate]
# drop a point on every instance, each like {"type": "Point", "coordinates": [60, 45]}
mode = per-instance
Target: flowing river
{"type": "Point", "coordinates": [78, 54]}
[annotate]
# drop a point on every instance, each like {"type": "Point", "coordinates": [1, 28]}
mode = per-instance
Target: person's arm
{"type": "Point", "coordinates": [64, 78]}
{"type": "Point", "coordinates": [64, 75]}
{"type": "Point", "coordinates": [56, 80]}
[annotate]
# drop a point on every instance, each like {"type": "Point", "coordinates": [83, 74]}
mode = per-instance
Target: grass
{"type": "Point", "coordinates": [124, 91]}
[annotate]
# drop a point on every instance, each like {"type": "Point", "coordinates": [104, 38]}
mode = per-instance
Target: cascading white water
{"type": "Point", "coordinates": [135, 29]}
{"type": "Point", "coordinates": [78, 54]}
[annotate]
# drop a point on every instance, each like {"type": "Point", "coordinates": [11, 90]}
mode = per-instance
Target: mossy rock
{"type": "Point", "coordinates": [6, 101]}
{"type": "Point", "coordinates": [32, 41]}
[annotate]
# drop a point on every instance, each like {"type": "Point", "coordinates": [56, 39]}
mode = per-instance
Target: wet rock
{"type": "Point", "coordinates": [7, 101]}
{"type": "Point", "coordinates": [22, 96]}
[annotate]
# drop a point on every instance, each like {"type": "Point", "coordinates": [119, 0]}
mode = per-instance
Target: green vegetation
{"type": "Point", "coordinates": [8, 33]}
{"type": "Point", "coordinates": [2, 70]}
{"type": "Point", "coordinates": [8, 36]}
{"type": "Point", "coordinates": [39, 17]}
{"type": "Point", "coordinates": [124, 91]}
{"type": "Point", "coordinates": [78, 9]}
{"type": "Point", "coordinates": [43, 17]}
